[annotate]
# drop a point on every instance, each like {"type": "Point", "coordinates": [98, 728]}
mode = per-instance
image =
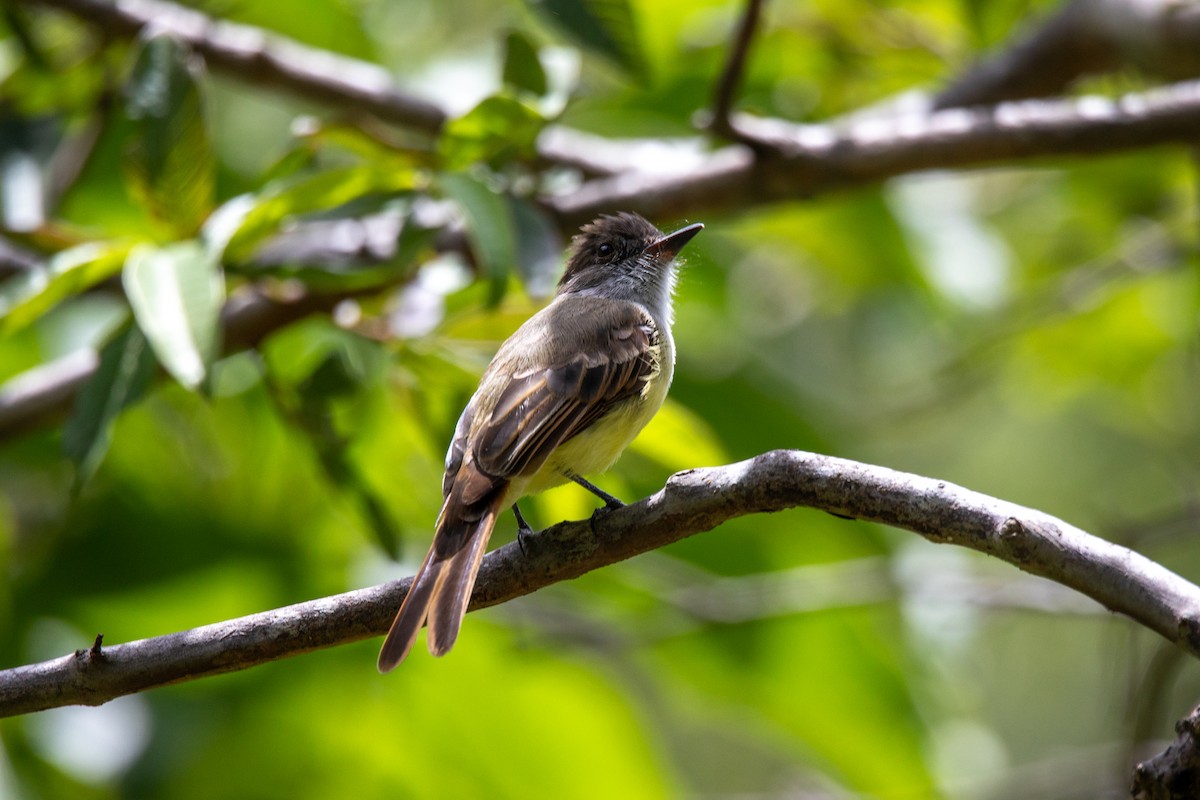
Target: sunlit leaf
{"type": "Point", "coordinates": [522, 67]}
{"type": "Point", "coordinates": [370, 144]}
{"type": "Point", "coordinates": [169, 158]}
{"type": "Point", "coordinates": [499, 129]}
{"type": "Point", "coordinates": [126, 366]}
{"type": "Point", "coordinates": [31, 294]}
{"type": "Point", "coordinates": [490, 224]}
{"type": "Point", "coordinates": [176, 294]}
{"type": "Point", "coordinates": [603, 26]}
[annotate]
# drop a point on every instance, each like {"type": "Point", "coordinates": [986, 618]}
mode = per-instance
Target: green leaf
{"type": "Point", "coordinates": [522, 67]}
{"type": "Point", "coordinates": [607, 27]}
{"type": "Point", "coordinates": [176, 294]}
{"type": "Point", "coordinates": [169, 160]}
{"type": "Point", "coordinates": [126, 366]}
{"type": "Point", "coordinates": [490, 225]}
{"type": "Point", "coordinates": [28, 296]}
{"type": "Point", "coordinates": [311, 193]}
{"type": "Point", "coordinates": [501, 128]}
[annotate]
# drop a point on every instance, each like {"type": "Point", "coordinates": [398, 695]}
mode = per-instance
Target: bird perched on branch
{"type": "Point", "coordinates": [564, 396]}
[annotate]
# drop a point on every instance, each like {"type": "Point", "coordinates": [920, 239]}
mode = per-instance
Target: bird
{"type": "Point", "coordinates": [562, 398]}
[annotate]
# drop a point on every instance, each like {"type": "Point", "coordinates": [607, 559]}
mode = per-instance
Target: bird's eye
{"type": "Point", "coordinates": [605, 250]}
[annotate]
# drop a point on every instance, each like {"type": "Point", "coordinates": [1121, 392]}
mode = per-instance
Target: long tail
{"type": "Point", "coordinates": [442, 587]}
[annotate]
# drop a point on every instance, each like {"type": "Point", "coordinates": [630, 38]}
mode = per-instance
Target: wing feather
{"type": "Point", "coordinates": [541, 408]}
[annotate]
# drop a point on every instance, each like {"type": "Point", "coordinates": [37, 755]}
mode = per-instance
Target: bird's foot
{"type": "Point", "coordinates": [610, 502]}
{"type": "Point", "coordinates": [523, 529]}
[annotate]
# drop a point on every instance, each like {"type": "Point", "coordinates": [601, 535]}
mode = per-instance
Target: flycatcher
{"type": "Point", "coordinates": [564, 396]}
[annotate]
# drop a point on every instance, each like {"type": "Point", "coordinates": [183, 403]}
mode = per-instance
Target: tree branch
{"type": "Point", "coordinates": [691, 502]}
{"type": "Point", "coordinates": [46, 393]}
{"type": "Point", "coordinates": [250, 54]}
{"type": "Point", "coordinates": [812, 159]}
{"type": "Point", "coordinates": [1173, 774]}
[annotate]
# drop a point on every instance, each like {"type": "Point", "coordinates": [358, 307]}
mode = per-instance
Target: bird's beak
{"type": "Point", "coordinates": [669, 246]}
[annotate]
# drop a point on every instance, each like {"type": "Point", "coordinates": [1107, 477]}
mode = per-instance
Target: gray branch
{"type": "Point", "coordinates": [807, 160]}
{"type": "Point", "coordinates": [1173, 774]}
{"type": "Point", "coordinates": [691, 502]}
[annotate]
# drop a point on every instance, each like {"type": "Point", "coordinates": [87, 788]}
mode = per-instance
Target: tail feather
{"type": "Point", "coordinates": [412, 614]}
{"type": "Point", "coordinates": [441, 590]}
{"type": "Point", "coordinates": [448, 605]}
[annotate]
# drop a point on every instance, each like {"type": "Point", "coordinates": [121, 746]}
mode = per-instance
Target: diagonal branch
{"type": "Point", "coordinates": [691, 502]}
{"type": "Point", "coordinates": [735, 66]}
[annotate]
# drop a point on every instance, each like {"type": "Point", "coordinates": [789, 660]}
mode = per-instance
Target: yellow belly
{"type": "Point", "coordinates": [597, 448]}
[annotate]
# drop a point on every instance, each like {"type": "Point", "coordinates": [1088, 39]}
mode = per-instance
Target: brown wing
{"type": "Point", "coordinates": [542, 407]}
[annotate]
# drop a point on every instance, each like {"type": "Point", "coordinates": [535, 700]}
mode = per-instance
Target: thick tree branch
{"type": "Point", "coordinates": [691, 502]}
{"type": "Point", "coordinates": [811, 159]}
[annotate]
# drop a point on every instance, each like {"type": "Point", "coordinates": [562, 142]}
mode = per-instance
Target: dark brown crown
{"type": "Point", "coordinates": [610, 239]}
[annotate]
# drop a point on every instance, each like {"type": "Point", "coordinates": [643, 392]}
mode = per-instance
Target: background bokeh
{"type": "Point", "coordinates": [1027, 331]}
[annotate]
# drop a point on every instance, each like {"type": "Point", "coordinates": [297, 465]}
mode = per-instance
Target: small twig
{"type": "Point", "coordinates": [691, 502]}
{"type": "Point", "coordinates": [731, 76]}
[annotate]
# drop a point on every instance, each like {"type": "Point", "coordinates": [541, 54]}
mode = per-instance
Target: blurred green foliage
{"type": "Point", "coordinates": [1027, 331]}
